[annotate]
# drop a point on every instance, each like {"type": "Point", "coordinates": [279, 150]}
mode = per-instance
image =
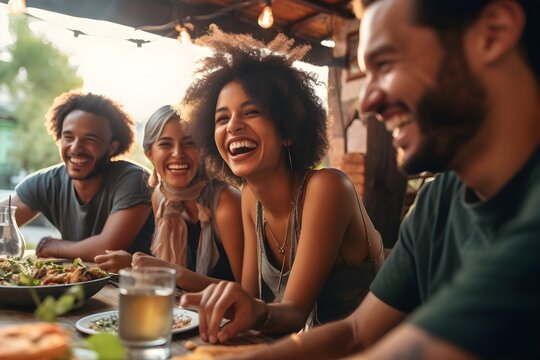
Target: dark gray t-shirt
{"type": "Point", "coordinates": [51, 192]}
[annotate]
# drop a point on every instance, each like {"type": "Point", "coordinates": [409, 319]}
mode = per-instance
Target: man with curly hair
{"type": "Point", "coordinates": [97, 204]}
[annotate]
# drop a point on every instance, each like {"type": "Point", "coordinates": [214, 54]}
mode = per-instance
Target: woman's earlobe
{"type": "Point", "coordinates": [148, 155]}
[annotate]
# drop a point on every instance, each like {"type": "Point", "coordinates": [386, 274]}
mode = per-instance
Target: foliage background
{"type": "Point", "coordinates": [36, 73]}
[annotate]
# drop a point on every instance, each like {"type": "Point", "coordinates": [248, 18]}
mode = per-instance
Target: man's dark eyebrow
{"type": "Point", "coordinates": [378, 51]}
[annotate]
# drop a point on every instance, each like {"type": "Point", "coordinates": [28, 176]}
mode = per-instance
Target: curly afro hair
{"type": "Point", "coordinates": [265, 71]}
{"type": "Point", "coordinates": [120, 122]}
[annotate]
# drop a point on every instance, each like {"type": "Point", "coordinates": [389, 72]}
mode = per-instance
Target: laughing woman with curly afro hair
{"type": "Point", "coordinates": [310, 249]}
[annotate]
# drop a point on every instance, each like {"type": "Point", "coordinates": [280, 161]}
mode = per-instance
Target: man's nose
{"type": "Point", "coordinates": [370, 99]}
{"type": "Point", "coordinates": [371, 102]}
{"type": "Point", "coordinates": [76, 144]}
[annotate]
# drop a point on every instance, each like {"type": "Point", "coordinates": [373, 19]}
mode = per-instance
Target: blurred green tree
{"type": "Point", "coordinates": [36, 74]}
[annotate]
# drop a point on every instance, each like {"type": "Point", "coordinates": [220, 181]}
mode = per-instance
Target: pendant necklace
{"type": "Point", "coordinates": [281, 248]}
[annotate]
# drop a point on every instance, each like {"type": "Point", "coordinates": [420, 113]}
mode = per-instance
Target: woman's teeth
{"type": "Point", "coordinates": [178, 167]}
{"type": "Point", "coordinates": [240, 147]}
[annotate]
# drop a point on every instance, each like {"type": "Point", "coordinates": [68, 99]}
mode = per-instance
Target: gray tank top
{"type": "Point", "coordinates": [343, 290]}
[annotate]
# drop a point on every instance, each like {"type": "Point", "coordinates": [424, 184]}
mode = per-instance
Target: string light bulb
{"type": "Point", "coordinates": [329, 43]}
{"type": "Point", "coordinates": [183, 34]}
{"type": "Point", "coordinates": [17, 7]}
{"type": "Point", "coordinates": [266, 18]}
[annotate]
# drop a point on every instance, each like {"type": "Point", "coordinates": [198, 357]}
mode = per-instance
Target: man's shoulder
{"type": "Point", "coordinates": [127, 175]}
{"type": "Point", "coordinates": [124, 166]}
{"type": "Point", "coordinates": [53, 173]}
{"type": "Point", "coordinates": [441, 191]}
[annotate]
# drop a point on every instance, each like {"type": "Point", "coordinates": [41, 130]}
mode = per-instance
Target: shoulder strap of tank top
{"type": "Point", "coordinates": [299, 202]}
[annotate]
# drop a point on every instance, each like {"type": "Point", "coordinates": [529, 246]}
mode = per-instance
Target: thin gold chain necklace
{"type": "Point", "coordinates": [281, 248]}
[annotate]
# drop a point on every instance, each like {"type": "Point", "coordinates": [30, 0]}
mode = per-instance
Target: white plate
{"type": "Point", "coordinates": [83, 324]}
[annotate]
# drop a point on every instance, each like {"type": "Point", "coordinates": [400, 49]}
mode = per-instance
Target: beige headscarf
{"type": "Point", "coordinates": [170, 237]}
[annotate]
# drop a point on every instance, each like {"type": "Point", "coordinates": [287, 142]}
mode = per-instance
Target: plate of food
{"type": "Point", "coordinates": [20, 279]}
{"type": "Point", "coordinates": [34, 341]}
{"type": "Point", "coordinates": [183, 320]}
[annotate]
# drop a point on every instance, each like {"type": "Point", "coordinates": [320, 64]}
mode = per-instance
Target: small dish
{"type": "Point", "coordinates": [84, 324]}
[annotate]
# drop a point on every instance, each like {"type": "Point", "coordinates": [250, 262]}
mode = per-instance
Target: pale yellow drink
{"type": "Point", "coordinates": [146, 317]}
{"type": "Point", "coordinates": [146, 312]}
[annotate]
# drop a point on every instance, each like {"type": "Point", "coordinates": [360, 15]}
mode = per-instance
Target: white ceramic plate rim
{"type": "Point", "coordinates": [82, 324]}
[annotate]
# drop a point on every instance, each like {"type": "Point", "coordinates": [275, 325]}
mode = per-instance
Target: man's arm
{"type": "Point", "coordinates": [367, 324]}
{"type": "Point", "coordinates": [119, 231]}
{"type": "Point", "coordinates": [24, 212]}
{"type": "Point", "coordinates": [408, 342]}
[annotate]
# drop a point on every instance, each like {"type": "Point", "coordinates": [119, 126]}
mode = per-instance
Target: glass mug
{"type": "Point", "coordinates": [146, 311]}
{"type": "Point", "coordinates": [11, 240]}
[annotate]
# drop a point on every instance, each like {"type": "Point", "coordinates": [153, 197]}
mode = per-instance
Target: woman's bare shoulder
{"type": "Point", "coordinates": [229, 194]}
{"type": "Point", "coordinates": [329, 179]}
{"type": "Point", "coordinates": [228, 203]}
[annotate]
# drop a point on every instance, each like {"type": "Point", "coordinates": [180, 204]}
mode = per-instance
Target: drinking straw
{"type": "Point", "coordinates": [9, 209]}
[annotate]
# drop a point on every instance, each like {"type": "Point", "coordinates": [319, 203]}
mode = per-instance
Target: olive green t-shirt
{"type": "Point", "coordinates": [467, 271]}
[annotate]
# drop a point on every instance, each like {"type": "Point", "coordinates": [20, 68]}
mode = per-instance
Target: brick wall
{"type": "Point", "coordinates": [352, 164]}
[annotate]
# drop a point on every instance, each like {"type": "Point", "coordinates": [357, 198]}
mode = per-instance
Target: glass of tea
{"type": "Point", "coordinates": [146, 311]}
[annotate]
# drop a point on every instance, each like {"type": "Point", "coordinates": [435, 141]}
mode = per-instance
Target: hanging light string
{"type": "Point", "coordinates": [79, 33]}
{"type": "Point", "coordinates": [183, 28]}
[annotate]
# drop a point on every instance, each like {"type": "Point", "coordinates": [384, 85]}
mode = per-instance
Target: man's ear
{"type": "Point", "coordinates": [113, 147]}
{"type": "Point", "coordinates": [499, 29]}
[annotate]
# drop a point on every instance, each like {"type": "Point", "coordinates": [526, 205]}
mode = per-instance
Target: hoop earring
{"type": "Point", "coordinates": [290, 159]}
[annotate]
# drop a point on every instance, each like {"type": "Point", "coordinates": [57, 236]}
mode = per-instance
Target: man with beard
{"type": "Point", "coordinates": [96, 204]}
{"type": "Point", "coordinates": [457, 84]}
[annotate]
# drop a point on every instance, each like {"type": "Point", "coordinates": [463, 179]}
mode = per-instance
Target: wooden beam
{"type": "Point", "coordinates": [327, 8]}
{"type": "Point", "coordinates": [293, 26]}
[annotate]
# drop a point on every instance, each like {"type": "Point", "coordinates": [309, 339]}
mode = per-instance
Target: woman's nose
{"type": "Point", "coordinates": [235, 123]}
{"type": "Point", "coordinates": [178, 151]}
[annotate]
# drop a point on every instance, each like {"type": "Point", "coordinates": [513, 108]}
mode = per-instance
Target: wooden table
{"type": "Point", "coordinates": [107, 299]}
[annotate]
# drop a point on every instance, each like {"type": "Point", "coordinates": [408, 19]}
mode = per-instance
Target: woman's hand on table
{"type": "Point", "coordinates": [225, 299]}
{"type": "Point", "coordinates": [113, 260]}
{"type": "Point", "coordinates": [144, 260]}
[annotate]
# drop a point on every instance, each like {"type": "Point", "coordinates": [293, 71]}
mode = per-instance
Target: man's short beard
{"type": "Point", "coordinates": [449, 116]}
{"type": "Point", "coordinates": [99, 167]}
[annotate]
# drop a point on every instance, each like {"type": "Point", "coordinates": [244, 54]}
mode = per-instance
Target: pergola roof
{"type": "Point", "coordinates": [305, 20]}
